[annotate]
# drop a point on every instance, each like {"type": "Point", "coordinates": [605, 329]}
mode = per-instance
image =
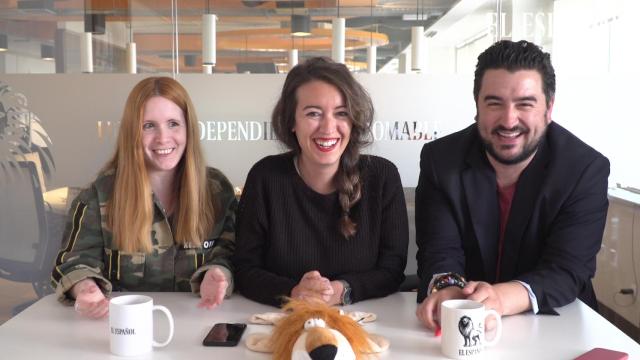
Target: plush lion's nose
{"type": "Point", "coordinates": [324, 352]}
{"type": "Point", "coordinates": [321, 344]}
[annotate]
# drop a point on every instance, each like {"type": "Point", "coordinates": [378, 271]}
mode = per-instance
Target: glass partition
{"type": "Point", "coordinates": [593, 45]}
{"type": "Point", "coordinates": [259, 36]}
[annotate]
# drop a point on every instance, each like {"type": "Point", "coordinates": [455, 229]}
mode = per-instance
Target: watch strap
{"type": "Point", "coordinates": [345, 297]}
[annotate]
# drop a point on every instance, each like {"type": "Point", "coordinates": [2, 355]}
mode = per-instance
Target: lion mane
{"type": "Point", "coordinates": [289, 328]}
{"type": "Point", "coordinates": [469, 333]}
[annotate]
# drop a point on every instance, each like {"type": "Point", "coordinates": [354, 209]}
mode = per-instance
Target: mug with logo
{"type": "Point", "coordinates": [463, 330]}
{"type": "Point", "coordinates": [131, 325]}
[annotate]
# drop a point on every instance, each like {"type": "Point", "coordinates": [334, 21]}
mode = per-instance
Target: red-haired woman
{"type": "Point", "coordinates": [156, 218]}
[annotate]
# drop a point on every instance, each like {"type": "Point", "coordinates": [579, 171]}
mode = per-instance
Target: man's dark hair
{"type": "Point", "coordinates": [514, 56]}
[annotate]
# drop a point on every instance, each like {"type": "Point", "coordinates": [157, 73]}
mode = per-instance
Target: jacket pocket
{"type": "Point", "coordinates": [187, 262]}
{"type": "Point", "coordinates": [125, 269]}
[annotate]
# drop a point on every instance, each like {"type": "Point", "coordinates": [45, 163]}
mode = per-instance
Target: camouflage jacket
{"type": "Point", "coordinates": [88, 252]}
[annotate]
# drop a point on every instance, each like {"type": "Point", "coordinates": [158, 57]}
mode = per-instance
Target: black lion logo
{"type": "Point", "coordinates": [465, 325]}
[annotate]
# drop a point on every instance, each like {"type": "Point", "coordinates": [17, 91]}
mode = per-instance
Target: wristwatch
{"type": "Point", "coordinates": [446, 280]}
{"type": "Point", "coordinates": [346, 293]}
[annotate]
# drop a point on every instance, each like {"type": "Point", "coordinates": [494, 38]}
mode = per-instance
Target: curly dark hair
{"type": "Point", "coordinates": [514, 56]}
{"type": "Point", "coordinates": [360, 109]}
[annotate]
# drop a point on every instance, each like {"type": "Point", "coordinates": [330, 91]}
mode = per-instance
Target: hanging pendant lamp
{"type": "Point", "coordinates": [86, 52]}
{"type": "Point", "coordinates": [417, 39]}
{"type": "Point", "coordinates": [337, 39]}
{"type": "Point", "coordinates": [132, 57]}
{"type": "Point", "coordinates": [209, 37]}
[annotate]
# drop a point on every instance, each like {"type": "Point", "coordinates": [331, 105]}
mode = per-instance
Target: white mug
{"type": "Point", "coordinates": [462, 323]}
{"type": "Point", "coordinates": [131, 324]}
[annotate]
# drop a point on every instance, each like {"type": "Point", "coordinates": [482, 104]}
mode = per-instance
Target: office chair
{"type": "Point", "coordinates": [26, 254]}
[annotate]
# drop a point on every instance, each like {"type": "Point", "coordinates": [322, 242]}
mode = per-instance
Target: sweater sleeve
{"type": "Point", "coordinates": [388, 274]}
{"type": "Point", "coordinates": [223, 235]}
{"type": "Point", "coordinates": [252, 279]}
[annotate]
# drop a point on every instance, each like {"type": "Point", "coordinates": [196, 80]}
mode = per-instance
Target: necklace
{"type": "Point", "coordinates": [295, 164]}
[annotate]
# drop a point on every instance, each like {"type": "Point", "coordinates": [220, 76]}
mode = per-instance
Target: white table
{"type": "Point", "coordinates": [48, 330]}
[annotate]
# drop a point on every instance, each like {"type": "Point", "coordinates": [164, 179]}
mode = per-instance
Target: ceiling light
{"type": "Point", "coordinates": [132, 57]}
{"type": "Point", "coordinates": [95, 23]}
{"type": "Point", "coordinates": [46, 52]}
{"type": "Point", "coordinates": [402, 63]}
{"type": "Point", "coordinates": [300, 25]}
{"type": "Point", "coordinates": [293, 58]}
{"type": "Point", "coordinates": [414, 17]}
{"type": "Point", "coordinates": [372, 50]}
{"type": "Point", "coordinates": [190, 60]}
{"type": "Point", "coordinates": [209, 39]}
{"type": "Point", "coordinates": [417, 39]}
{"type": "Point", "coordinates": [4, 42]}
{"type": "Point", "coordinates": [337, 38]}
{"type": "Point", "coordinates": [132, 62]}
{"type": "Point", "coordinates": [372, 54]}
{"type": "Point", "coordinates": [86, 53]}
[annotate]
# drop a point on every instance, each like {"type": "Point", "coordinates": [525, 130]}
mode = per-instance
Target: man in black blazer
{"type": "Point", "coordinates": [514, 204]}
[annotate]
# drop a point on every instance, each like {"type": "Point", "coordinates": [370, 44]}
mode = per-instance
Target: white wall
{"type": "Point", "coordinates": [600, 50]}
{"type": "Point", "coordinates": [80, 113]}
{"type": "Point", "coordinates": [602, 38]}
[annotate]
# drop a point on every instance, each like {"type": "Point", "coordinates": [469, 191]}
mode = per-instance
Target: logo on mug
{"type": "Point", "coordinates": [469, 332]}
{"type": "Point", "coordinates": [125, 331]}
{"type": "Point", "coordinates": [463, 328]}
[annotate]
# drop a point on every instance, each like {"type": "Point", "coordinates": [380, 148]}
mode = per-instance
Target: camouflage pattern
{"type": "Point", "coordinates": [87, 249]}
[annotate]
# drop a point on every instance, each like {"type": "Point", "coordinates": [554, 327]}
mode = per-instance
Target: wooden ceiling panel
{"type": "Point", "coordinates": [160, 5]}
{"type": "Point", "coordinates": [259, 40]}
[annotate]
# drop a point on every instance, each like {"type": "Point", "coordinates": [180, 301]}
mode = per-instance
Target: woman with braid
{"type": "Point", "coordinates": [321, 220]}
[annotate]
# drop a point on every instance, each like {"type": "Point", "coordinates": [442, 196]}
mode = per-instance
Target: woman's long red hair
{"type": "Point", "coordinates": [130, 207]}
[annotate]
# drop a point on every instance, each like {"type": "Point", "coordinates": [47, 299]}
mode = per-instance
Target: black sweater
{"type": "Point", "coordinates": [286, 229]}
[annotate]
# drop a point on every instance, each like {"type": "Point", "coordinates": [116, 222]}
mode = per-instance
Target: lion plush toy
{"type": "Point", "coordinates": [314, 330]}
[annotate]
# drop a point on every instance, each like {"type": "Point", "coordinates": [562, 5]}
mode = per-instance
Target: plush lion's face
{"type": "Point", "coordinates": [306, 315]}
{"type": "Point", "coordinates": [320, 342]}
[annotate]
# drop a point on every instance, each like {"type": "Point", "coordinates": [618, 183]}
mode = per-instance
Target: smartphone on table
{"type": "Point", "coordinates": [224, 334]}
{"type": "Point", "coordinates": [603, 354]}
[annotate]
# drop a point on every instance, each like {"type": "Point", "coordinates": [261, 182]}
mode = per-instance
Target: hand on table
{"type": "Point", "coordinates": [485, 293]}
{"type": "Point", "coordinates": [90, 301]}
{"type": "Point", "coordinates": [506, 298]}
{"type": "Point", "coordinates": [428, 311]}
{"type": "Point", "coordinates": [338, 289]}
{"type": "Point", "coordinates": [313, 285]}
{"type": "Point", "coordinates": [213, 288]}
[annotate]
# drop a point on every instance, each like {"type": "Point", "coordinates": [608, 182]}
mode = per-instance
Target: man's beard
{"type": "Point", "coordinates": [527, 150]}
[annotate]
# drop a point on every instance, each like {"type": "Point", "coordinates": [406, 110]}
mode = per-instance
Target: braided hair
{"type": "Point", "coordinates": [360, 108]}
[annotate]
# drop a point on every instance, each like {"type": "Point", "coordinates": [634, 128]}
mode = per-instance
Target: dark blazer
{"type": "Point", "coordinates": [555, 226]}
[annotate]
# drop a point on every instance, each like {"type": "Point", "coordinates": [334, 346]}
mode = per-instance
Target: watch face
{"type": "Point", "coordinates": [346, 296]}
